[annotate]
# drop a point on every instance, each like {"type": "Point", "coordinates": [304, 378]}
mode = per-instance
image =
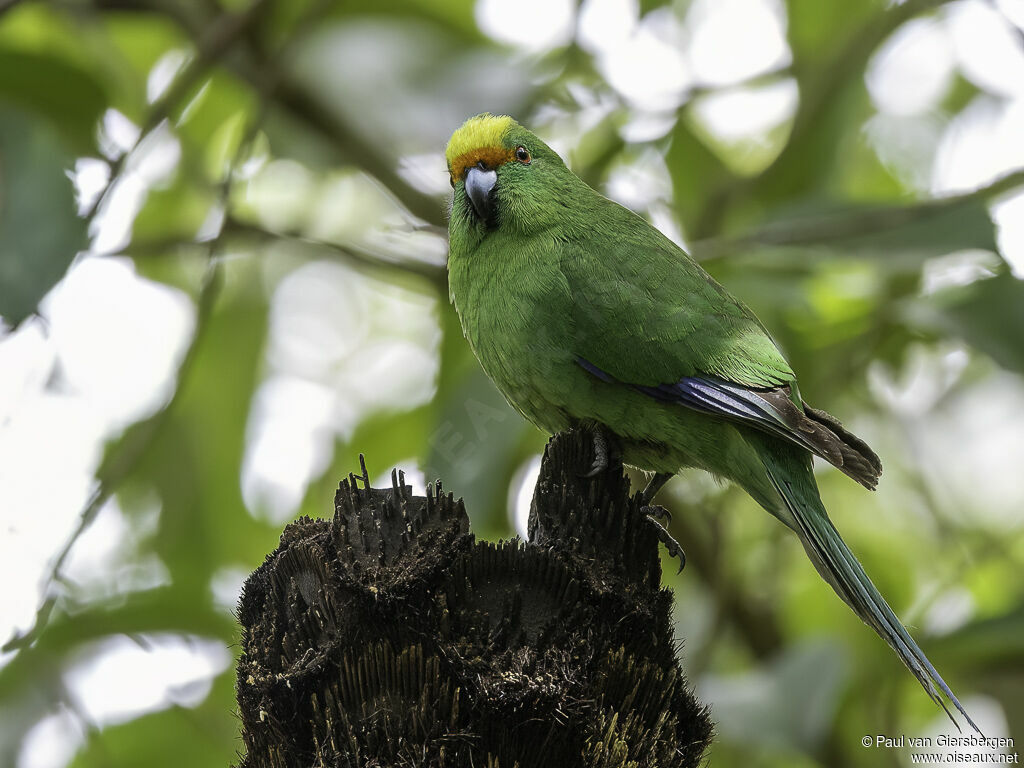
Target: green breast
{"type": "Point", "coordinates": [516, 315]}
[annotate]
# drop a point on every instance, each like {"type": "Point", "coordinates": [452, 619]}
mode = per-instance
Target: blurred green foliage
{"type": "Point", "coordinates": [829, 245]}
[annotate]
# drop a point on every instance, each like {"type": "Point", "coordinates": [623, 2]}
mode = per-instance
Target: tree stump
{"type": "Point", "coordinates": [389, 636]}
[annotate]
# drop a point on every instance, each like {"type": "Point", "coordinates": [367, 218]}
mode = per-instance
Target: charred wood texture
{"type": "Point", "coordinates": [388, 636]}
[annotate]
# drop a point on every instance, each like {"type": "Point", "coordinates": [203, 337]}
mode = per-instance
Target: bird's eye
{"type": "Point", "coordinates": [523, 155]}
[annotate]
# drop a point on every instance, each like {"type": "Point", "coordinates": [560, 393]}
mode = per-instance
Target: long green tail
{"type": "Point", "coordinates": [838, 566]}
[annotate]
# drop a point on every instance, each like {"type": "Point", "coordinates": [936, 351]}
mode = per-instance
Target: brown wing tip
{"type": "Point", "coordinates": [858, 460]}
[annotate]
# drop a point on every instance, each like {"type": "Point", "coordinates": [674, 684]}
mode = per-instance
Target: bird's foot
{"type": "Point", "coordinates": [602, 451]}
{"type": "Point", "coordinates": [656, 511]}
{"type": "Point", "coordinates": [652, 514]}
{"type": "Point", "coordinates": [646, 496]}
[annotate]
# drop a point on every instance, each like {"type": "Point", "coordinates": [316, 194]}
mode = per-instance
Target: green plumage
{"type": "Point", "coordinates": [582, 313]}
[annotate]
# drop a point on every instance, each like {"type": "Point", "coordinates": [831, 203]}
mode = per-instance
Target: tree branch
{"type": "Point", "coordinates": [210, 47]}
{"type": "Point", "coordinates": [373, 262]}
{"type": "Point", "coordinates": [850, 224]}
{"type": "Point", "coordinates": [357, 150]}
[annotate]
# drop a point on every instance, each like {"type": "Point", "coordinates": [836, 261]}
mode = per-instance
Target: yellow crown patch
{"type": "Point", "coordinates": [478, 139]}
{"type": "Point", "coordinates": [484, 130]}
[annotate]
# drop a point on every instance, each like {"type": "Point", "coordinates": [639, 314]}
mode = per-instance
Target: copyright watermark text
{"type": "Point", "coordinates": [954, 749]}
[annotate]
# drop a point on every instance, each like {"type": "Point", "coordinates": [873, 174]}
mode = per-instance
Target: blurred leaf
{"type": "Point", "coordinates": [829, 310]}
{"type": "Point", "coordinates": [806, 166]}
{"type": "Point", "coordinates": [136, 42]}
{"type": "Point", "coordinates": [213, 123]}
{"type": "Point", "coordinates": [818, 27]}
{"type": "Point", "coordinates": [697, 174]}
{"type": "Point", "coordinates": [475, 448]}
{"type": "Point", "coordinates": [597, 149]}
{"type": "Point", "coordinates": [195, 462]}
{"type": "Point", "coordinates": [995, 644]}
{"type": "Point", "coordinates": [646, 6]}
{"type": "Point", "coordinates": [29, 679]}
{"type": "Point", "coordinates": [862, 177]}
{"type": "Point", "coordinates": [468, 437]}
{"type": "Point", "coordinates": [925, 231]}
{"type": "Point", "coordinates": [987, 314]}
{"type": "Point", "coordinates": [961, 93]}
{"type": "Point", "coordinates": [384, 439]}
{"type": "Point", "coordinates": [419, 59]}
{"type": "Point", "coordinates": [454, 17]}
{"type": "Point", "coordinates": [477, 440]}
{"type": "Point", "coordinates": [831, 42]}
{"type": "Point", "coordinates": [40, 231]}
{"type": "Point", "coordinates": [173, 737]}
{"type": "Point", "coordinates": [457, 16]}
{"type": "Point", "coordinates": [66, 96]}
{"type": "Point", "coordinates": [71, 41]}
{"type": "Point", "coordinates": [933, 228]}
{"type": "Point", "coordinates": [163, 609]}
{"type": "Point", "coordinates": [172, 212]}
{"type": "Point", "coordinates": [808, 677]}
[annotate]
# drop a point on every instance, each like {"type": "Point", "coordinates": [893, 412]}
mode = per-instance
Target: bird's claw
{"type": "Point", "coordinates": [674, 550]}
{"type": "Point", "coordinates": [657, 511]}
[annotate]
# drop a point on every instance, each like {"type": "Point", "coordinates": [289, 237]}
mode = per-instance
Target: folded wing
{"type": "Point", "coordinates": [769, 409]}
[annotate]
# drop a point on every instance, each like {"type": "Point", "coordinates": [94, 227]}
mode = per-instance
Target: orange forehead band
{"type": "Point", "coordinates": [491, 157]}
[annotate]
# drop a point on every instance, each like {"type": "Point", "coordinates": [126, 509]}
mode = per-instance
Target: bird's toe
{"type": "Point", "coordinates": [666, 538]}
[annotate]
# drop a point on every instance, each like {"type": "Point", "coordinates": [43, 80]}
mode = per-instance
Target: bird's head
{"type": "Point", "coordinates": [504, 177]}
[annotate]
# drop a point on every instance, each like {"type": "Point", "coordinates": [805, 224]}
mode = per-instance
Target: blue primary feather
{"type": "Point", "coordinates": [713, 396]}
{"type": "Point", "coordinates": [770, 409]}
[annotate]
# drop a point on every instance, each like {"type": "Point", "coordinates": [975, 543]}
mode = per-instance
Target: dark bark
{"type": "Point", "coordinates": [389, 636]}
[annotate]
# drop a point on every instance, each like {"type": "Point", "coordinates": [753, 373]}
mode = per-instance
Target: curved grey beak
{"type": "Point", "coordinates": [479, 185]}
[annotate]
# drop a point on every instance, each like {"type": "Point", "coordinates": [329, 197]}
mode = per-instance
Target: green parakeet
{"type": "Point", "coordinates": [582, 313]}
